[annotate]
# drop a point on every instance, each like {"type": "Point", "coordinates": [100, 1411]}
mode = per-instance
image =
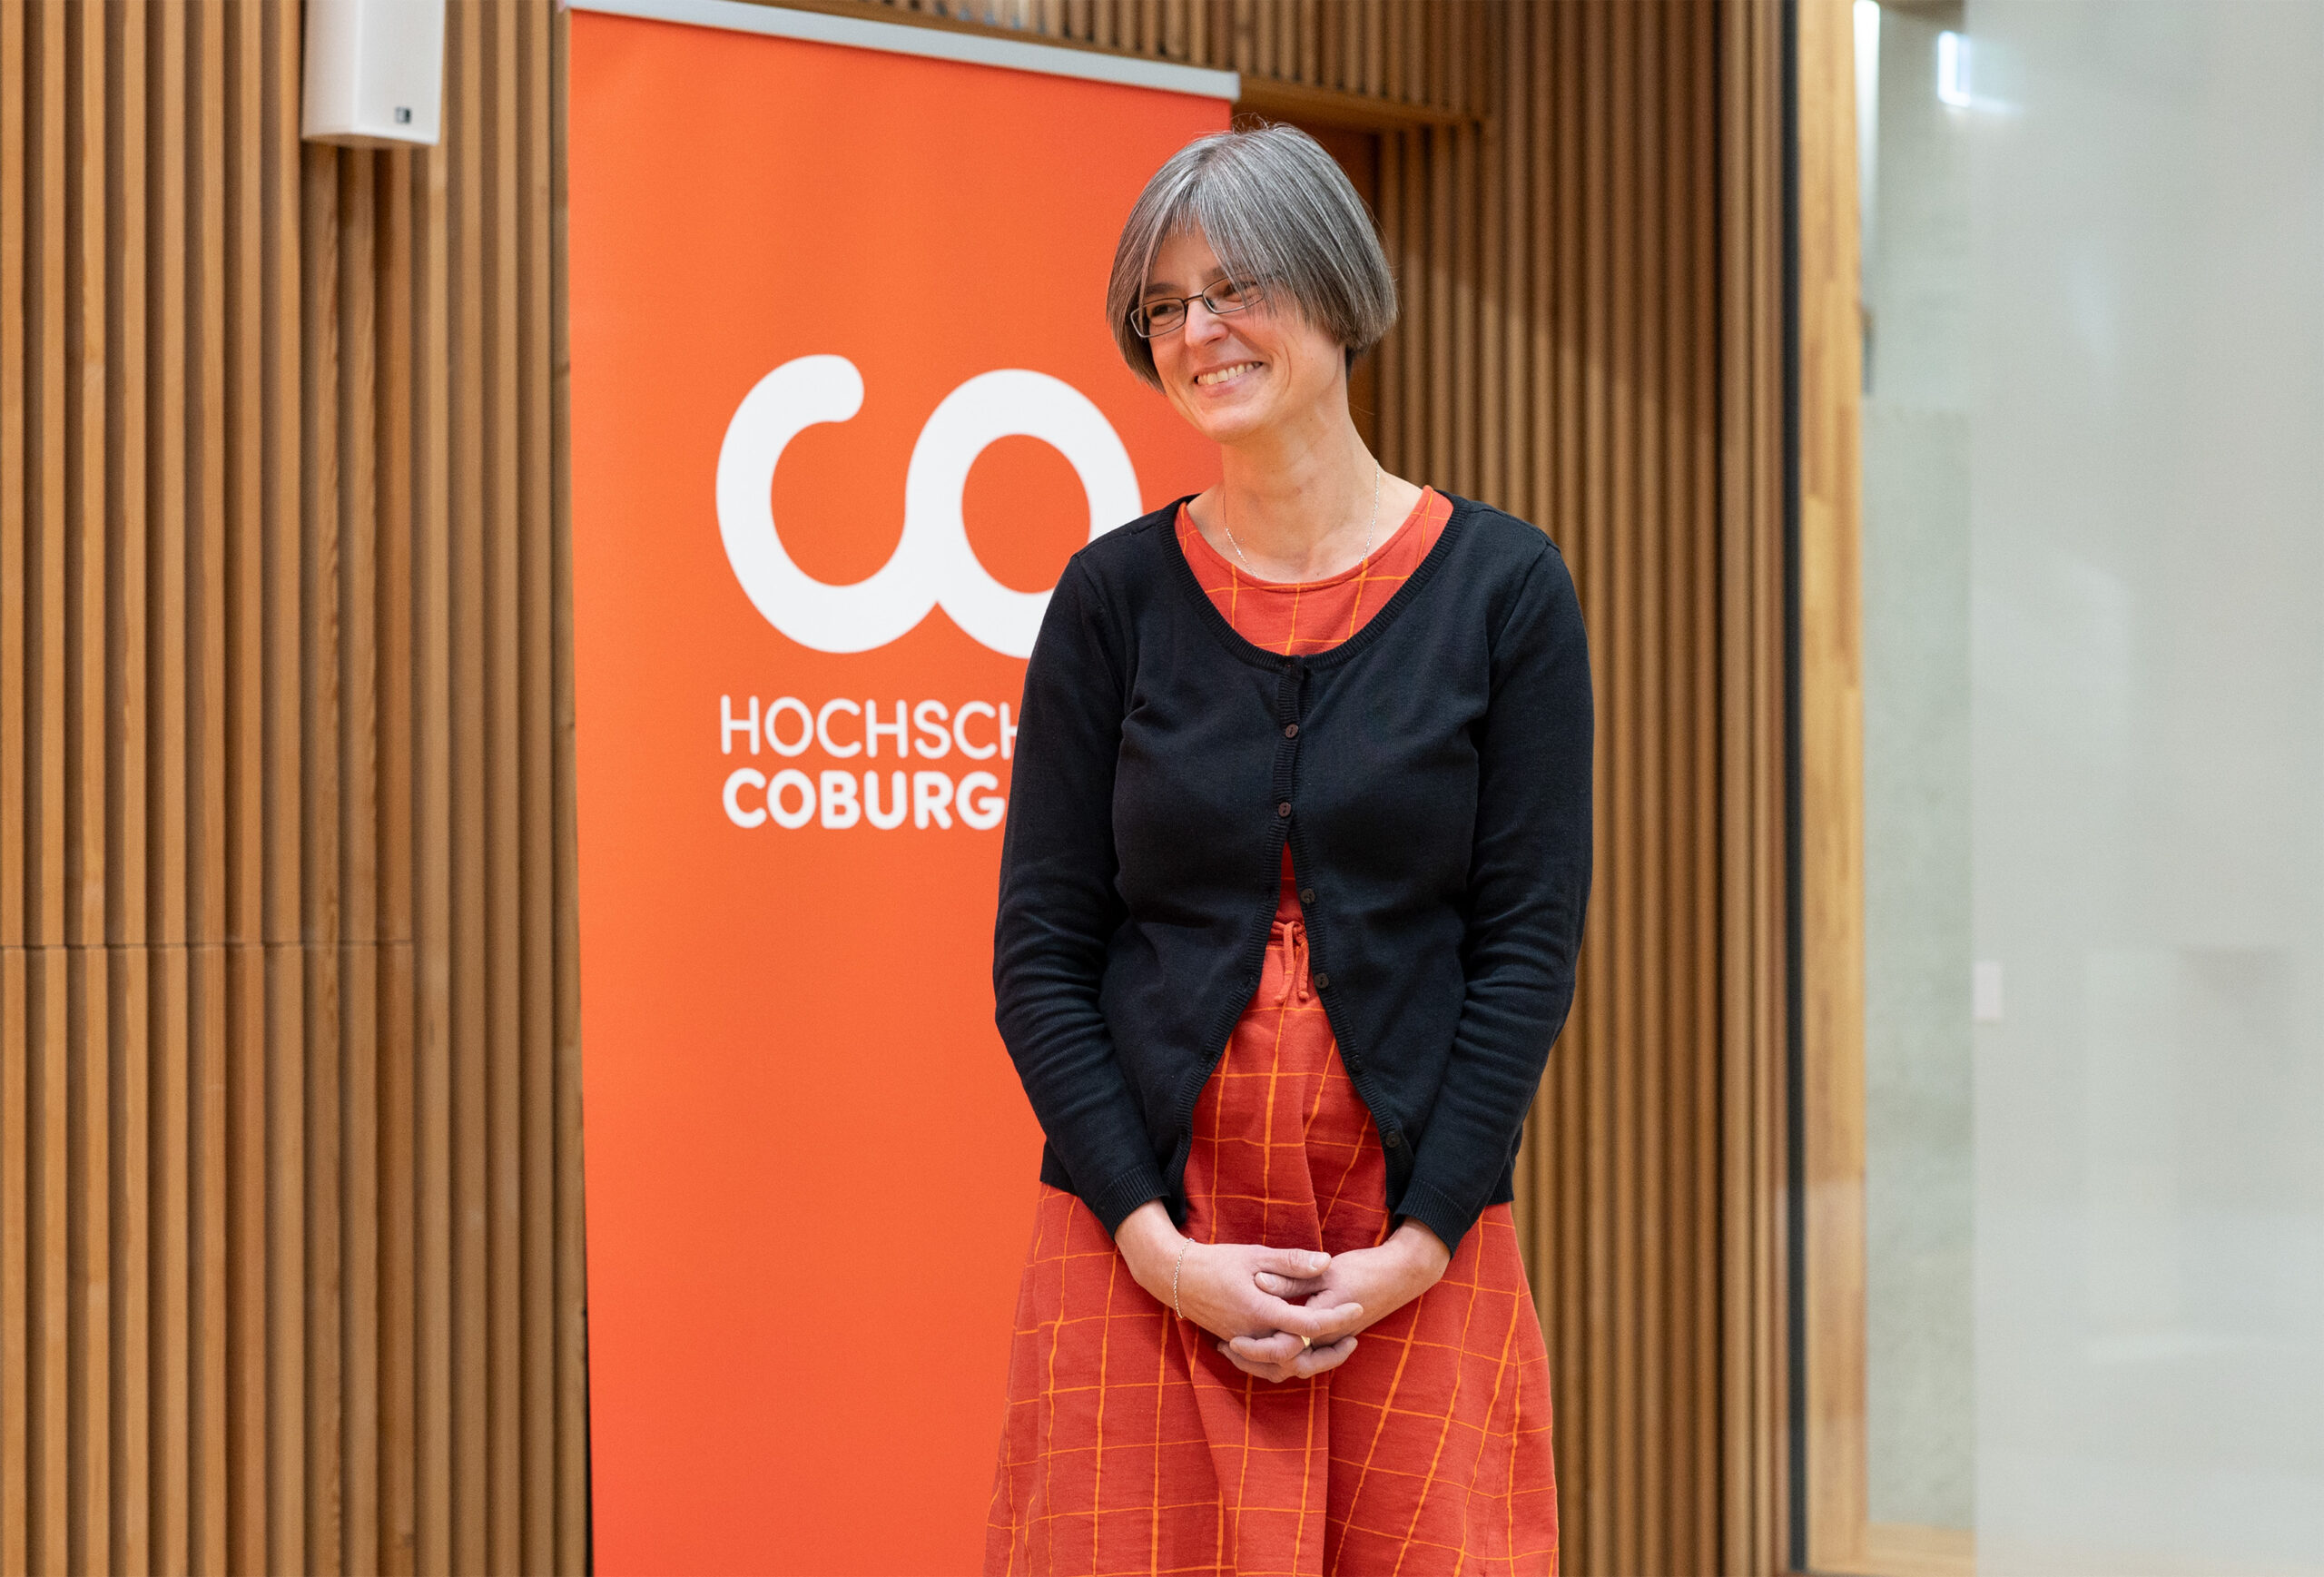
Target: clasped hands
{"type": "Point", "coordinates": [1260, 1302]}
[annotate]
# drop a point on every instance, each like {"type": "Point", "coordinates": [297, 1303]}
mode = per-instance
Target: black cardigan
{"type": "Point", "coordinates": [1432, 774]}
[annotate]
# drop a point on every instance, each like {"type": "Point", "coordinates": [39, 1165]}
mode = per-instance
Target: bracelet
{"type": "Point", "coordinates": [1175, 1306]}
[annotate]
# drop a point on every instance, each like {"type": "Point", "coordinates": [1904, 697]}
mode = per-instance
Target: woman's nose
{"type": "Point", "coordinates": [1202, 326]}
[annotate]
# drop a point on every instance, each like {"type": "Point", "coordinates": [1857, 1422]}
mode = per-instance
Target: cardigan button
{"type": "Point", "coordinates": [1306, 896]}
{"type": "Point", "coordinates": [1323, 983]}
{"type": "Point", "coordinates": [1283, 809]}
{"type": "Point", "coordinates": [1395, 1141]}
{"type": "Point", "coordinates": [1291, 731]}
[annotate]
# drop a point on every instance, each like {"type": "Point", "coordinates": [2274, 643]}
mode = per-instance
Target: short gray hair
{"type": "Point", "coordinates": [1273, 206]}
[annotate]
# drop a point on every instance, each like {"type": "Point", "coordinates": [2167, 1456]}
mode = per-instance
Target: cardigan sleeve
{"type": "Point", "coordinates": [1529, 883]}
{"type": "Point", "coordinates": [1059, 906]}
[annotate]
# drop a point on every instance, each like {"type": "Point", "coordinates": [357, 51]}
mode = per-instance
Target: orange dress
{"type": "Point", "coordinates": [1132, 1445]}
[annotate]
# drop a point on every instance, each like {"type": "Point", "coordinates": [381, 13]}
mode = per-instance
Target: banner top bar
{"type": "Point", "coordinates": [938, 44]}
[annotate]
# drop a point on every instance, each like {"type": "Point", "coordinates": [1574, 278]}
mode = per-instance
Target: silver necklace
{"type": "Point", "coordinates": [1369, 526]}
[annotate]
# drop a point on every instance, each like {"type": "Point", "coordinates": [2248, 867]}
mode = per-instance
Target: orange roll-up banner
{"type": "Point", "coordinates": [843, 401]}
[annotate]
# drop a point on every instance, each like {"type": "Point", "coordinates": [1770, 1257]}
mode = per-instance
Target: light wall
{"type": "Point", "coordinates": [2147, 198]}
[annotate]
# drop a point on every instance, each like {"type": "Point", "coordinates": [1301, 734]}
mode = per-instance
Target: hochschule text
{"type": "Point", "coordinates": [772, 796]}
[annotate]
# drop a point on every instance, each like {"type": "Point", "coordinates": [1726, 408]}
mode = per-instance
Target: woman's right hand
{"type": "Point", "coordinates": [1218, 1287]}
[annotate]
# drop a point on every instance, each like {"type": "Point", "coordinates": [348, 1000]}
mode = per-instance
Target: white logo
{"type": "Point", "coordinates": [933, 566]}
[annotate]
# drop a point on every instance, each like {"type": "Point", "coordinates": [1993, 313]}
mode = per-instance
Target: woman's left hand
{"type": "Point", "coordinates": [1382, 1279]}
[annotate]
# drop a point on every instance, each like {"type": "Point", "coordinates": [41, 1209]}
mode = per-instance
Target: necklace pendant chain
{"type": "Point", "coordinates": [1370, 526]}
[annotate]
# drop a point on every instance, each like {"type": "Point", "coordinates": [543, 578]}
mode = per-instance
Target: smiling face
{"type": "Point", "coordinates": [1238, 377]}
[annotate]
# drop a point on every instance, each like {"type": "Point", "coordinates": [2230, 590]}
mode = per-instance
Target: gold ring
{"type": "Point", "coordinates": [1306, 1342]}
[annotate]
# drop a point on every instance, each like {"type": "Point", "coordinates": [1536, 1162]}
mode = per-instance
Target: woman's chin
{"type": "Point", "coordinates": [1232, 424]}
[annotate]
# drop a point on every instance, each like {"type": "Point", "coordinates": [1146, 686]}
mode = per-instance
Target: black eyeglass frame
{"type": "Point", "coordinates": [1254, 291]}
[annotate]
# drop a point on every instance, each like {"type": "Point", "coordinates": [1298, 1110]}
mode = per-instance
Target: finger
{"type": "Point", "coordinates": [1305, 1365]}
{"type": "Point", "coordinates": [1317, 1360]}
{"type": "Point", "coordinates": [1304, 1319]}
{"type": "Point", "coordinates": [1287, 1286]}
{"type": "Point", "coordinates": [1281, 1348]}
{"type": "Point", "coordinates": [1344, 1320]}
{"type": "Point", "coordinates": [1299, 1262]}
{"type": "Point", "coordinates": [1274, 1374]}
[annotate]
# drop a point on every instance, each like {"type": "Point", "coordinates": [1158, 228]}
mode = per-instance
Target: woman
{"type": "Point", "coordinates": [1297, 851]}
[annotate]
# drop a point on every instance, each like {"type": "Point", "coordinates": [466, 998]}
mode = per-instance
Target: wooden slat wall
{"type": "Point", "coordinates": [289, 1208]}
{"type": "Point", "coordinates": [1585, 216]}
{"type": "Point", "coordinates": [289, 1182]}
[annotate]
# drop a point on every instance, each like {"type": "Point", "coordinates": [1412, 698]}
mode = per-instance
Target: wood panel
{"type": "Point", "coordinates": [1831, 806]}
{"type": "Point", "coordinates": [290, 1254]}
{"type": "Point", "coordinates": [1911, 1549]}
{"type": "Point", "coordinates": [1755, 440]}
{"type": "Point", "coordinates": [235, 824]}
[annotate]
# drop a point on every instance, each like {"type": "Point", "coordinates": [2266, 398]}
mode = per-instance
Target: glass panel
{"type": "Point", "coordinates": [1920, 1423]}
{"type": "Point", "coordinates": [2147, 565]}
{"type": "Point", "coordinates": [2093, 668]}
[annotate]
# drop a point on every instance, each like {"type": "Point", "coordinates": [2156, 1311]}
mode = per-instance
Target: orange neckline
{"type": "Point", "coordinates": [1379, 549]}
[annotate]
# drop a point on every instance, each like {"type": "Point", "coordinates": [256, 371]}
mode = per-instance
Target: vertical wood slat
{"type": "Point", "coordinates": [278, 1514]}
{"type": "Point", "coordinates": [432, 920]}
{"type": "Point", "coordinates": [1695, 608]}
{"type": "Point", "coordinates": [502, 791]}
{"type": "Point", "coordinates": [245, 1246]}
{"type": "Point", "coordinates": [86, 1169]}
{"type": "Point", "coordinates": [129, 1179]}
{"type": "Point", "coordinates": [472, 1485]}
{"type": "Point", "coordinates": [47, 1379]}
{"type": "Point", "coordinates": [395, 1503]}
{"type": "Point", "coordinates": [289, 1240]}
{"type": "Point", "coordinates": [167, 751]}
{"type": "Point", "coordinates": [15, 831]}
{"type": "Point", "coordinates": [15, 1420]}
{"type": "Point", "coordinates": [1751, 784]}
{"type": "Point", "coordinates": [310, 1265]}
{"type": "Point", "coordinates": [572, 1474]}
{"type": "Point", "coordinates": [206, 733]}
{"type": "Point", "coordinates": [47, 1399]}
{"type": "Point", "coordinates": [534, 468]}
{"type": "Point", "coordinates": [1702, 1483]}
{"type": "Point", "coordinates": [1654, 1029]}
{"type": "Point", "coordinates": [358, 955]}
{"type": "Point", "coordinates": [85, 232]}
{"type": "Point", "coordinates": [45, 481]}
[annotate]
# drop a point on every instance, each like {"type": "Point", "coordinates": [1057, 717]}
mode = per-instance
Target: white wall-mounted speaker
{"type": "Point", "coordinates": [375, 72]}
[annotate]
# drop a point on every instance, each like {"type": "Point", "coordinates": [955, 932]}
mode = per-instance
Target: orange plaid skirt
{"type": "Point", "coordinates": [1132, 1445]}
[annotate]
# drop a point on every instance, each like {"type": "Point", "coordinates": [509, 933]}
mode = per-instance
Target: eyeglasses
{"type": "Point", "coordinates": [1164, 316]}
